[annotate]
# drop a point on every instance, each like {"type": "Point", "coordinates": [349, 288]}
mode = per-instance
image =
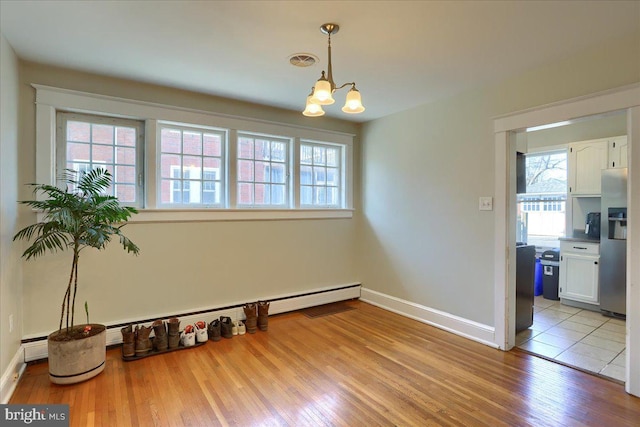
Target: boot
{"type": "Point", "coordinates": [128, 342]}
{"type": "Point", "coordinates": [143, 343]}
{"type": "Point", "coordinates": [214, 330]}
{"type": "Point", "coordinates": [160, 343]}
{"type": "Point", "coordinates": [263, 315]}
{"type": "Point", "coordinates": [226, 326]}
{"type": "Point", "coordinates": [174, 332]}
{"type": "Point", "coordinates": [250, 311]}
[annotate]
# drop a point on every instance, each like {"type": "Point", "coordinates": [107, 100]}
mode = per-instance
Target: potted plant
{"type": "Point", "coordinates": [77, 217]}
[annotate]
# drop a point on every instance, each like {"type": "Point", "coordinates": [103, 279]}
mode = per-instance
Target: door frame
{"type": "Point", "coordinates": [627, 99]}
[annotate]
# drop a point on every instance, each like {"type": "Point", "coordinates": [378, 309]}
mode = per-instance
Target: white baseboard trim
{"type": "Point", "coordinates": [37, 349]}
{"type": "Point", "coordinates": [11, 376]}
{"type": "Point", "coordinates": [466, 328]}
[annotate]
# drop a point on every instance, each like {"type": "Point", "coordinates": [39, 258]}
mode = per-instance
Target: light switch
{"type": "Point", "coordinates": [486, 203]}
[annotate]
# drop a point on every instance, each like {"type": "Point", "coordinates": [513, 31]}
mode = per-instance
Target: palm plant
{"type": "Point", "coordinates": [77, 217]}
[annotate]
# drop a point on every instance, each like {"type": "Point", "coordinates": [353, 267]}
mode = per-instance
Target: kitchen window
{"type": "Point", "coordinates": [541, 211]}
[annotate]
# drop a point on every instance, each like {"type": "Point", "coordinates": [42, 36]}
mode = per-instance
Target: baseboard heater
{"type": "Point", "coordinates": [35, 348]}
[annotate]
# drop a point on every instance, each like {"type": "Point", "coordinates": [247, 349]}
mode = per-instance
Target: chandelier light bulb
{"type": "Point", "coordinates": [312, 109]}
{"type": "Point", "coordinates": [322, 92]}
{"type": "Point", "coordinates": [353, 103]}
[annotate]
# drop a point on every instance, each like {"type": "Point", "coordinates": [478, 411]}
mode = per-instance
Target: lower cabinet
{"type": "Point", "coordinates": [579, 270]}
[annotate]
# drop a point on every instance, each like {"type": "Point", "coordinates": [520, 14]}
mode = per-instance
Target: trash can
{"type": "Point", "coordinates": [537, 288]}
{"type": "Point", "coordinates": [550, 261]}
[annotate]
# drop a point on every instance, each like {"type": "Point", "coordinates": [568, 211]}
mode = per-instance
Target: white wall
{"type": "Point", "coordinates": [182, 266]}
{"type": "Point", "coordinates": [422, 237]}
{"type": "Point", "coordinates": [10, 267]}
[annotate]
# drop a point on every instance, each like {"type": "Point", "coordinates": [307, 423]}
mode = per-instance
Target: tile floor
{"type": "Point", "coordinates": [581, 338]}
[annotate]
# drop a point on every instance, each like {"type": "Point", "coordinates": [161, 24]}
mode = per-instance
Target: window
{"type": "Point", "coordinates": [194, 160]}
{"type": "Point", "coordinates": [89, 142]}
{"type": "Point", "coordinates": [191, 165]}
{"type": "Point", "coordinates": [320, 175]}
{"type": "Point", "coordinates": [541, 212]}
{"type": "Point", "coordinates": [262, 171]}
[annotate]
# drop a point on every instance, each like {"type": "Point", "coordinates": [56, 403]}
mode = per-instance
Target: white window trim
{"type": "Point", "coordinates": [51, 99]}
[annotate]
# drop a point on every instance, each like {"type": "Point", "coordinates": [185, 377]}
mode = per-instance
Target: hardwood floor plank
{"type": "Point", "coordinates": [360, 367]}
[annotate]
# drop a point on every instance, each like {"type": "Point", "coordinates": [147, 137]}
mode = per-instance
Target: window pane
{"type": "Point", "coordinates": [125, 136]}
{"type": "Point", "coordinates": [194, 164]}
{"type": "Point", "coordinates": [319, 176]}
{"type": "Point", "coordinates": [170, 166]}
{"type": "Point", "coordinates": [125, 156]}
{"type": "Point", "coordinates": [262, 150]}
{"type": "Point", "coordinates": [171, 141]}
{"type": "Point", "coordinates": [212, 145]}
{"type": "Point", "coordinates": [102, 153]}
{"type": "Point", "coordinates": [319, 156]}
{"type": "Point", "coordinates": [245, 148]}
{"type": "Point", "coordinates": [77, 151]}
{"type": "Point", "coordinates": [305, 175]}
{"type": "Point", "coordinates": [278, 194]}
{"type": "Point", "coordinates": [332, 196]}
{"type": "Point", "coordinates": [278, 173]}
{"type": "Point", "coordinates": [125, 175]}
{"type": "Point", "coordinates": [102, 134]}
{"type": "Point", "coordinates": [262, 172]}
{"type": "Point", "coordinates": [319, 195]}
{"type": "Point", "coordinates": [192, 143]}
{"type": "Point", "coordinates": [245, 193]}
{"type": "Point", "coordinates": [306, 195]}
{"type": "Point", "coordinates": [126, 193]}
{"type": "Point", "coordinates": [263, 194]}
{"type": "Point", "coordinates": [245, 170]}
{"type": "Point", "coordinates": [306, 154]}
{"type": "Point", "coordinates": [332, 156]}
{"type": "Point", "coordinates": [278, 151]}
{"type": "Point", "coordinates": [78, 131]}
{"type": "Point", "coordinates": [333, 178]}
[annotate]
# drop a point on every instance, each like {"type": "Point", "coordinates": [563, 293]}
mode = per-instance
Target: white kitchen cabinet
{"type": "Point", "coordinates": [579, 270]}
{"type": "Point", "coordinates": [617, 152]}
{"type": "Point", "coordinates": [586, 160]}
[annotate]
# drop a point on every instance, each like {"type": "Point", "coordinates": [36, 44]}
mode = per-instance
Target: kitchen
{"type": "Point", "coordinates": [571, 223]}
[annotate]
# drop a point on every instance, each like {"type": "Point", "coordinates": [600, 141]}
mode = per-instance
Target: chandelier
{"type": "Point", "coordinates": [322, 93]}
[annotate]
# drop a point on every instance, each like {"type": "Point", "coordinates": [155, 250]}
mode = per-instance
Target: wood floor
{"type": "Point", "coordinates": [361, 367]}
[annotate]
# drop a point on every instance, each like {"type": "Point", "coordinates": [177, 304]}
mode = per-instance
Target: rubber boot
{"type": "Point", "coordinates": [128, 342]}
{"type": "Point", "coordinates": [160, 342]}
{"type": "Point", "coordinates": [174, 332]}
{"type": "Point", "coordinates": [143, 343]}
{"type": "Point", "coordinates": [263, 315]}
{"type": "Point", "coordinates": [226, 326]}
{"type": "Point", "coordinates": [214, 330]}
{"type": "Point", "coordinates": [251, 312]}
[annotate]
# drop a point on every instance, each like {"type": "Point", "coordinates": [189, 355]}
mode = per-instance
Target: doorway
{"type": "Point", "coordinates": [624, 99]}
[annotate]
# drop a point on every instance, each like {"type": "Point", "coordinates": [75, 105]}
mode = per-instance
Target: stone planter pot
{"type": "Point", "coordinates": [78, 356]}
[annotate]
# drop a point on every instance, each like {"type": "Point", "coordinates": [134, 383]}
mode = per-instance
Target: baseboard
{"type": "Point", "coordinates": [36, 348]}
{"type": "Point", "coordinates": [11, 376]}
{"type": "Point", "coordinates": [475, 331]}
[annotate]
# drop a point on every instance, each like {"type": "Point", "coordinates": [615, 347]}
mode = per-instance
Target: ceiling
{"type": "Point", "coordinates": [400, 53]}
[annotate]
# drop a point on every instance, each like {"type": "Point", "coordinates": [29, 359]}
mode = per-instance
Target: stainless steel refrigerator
{"type": "Point", "coordinates": [613, 242]}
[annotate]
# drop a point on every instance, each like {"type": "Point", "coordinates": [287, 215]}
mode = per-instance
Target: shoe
{"type": "Point", "coordinates": [226, 327]}
{"type": "Point", "coordinates": [214, 330]}
{"type": "Point", "coordinates": [128, 342]}
{"type": "Point", "coordinates": [174, 332]}
{"type": "Point", "coordinates": [160, 342]}
{"type": "Point", "coordinates": [201, 331]}
{"type": "Point", "coordinates": [143, 343]}
{"type": "Point", "coordinates": [263, 315]}
{"type": "Point", "coordinates": [188, 336]}
{"type": "Point", "coordinates": [242, 329]}
{"type": "Point", "coordinates": [251, 313]}
{"type": "Point", "coordinates": [234, 328]}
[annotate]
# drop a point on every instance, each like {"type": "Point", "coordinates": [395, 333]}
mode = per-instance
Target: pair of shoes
{"type": "Point", "coordinates": [238, 328]}
{"type": "Point", "coordinates": [160, 342]}
{"type": "Point", "coordinates": [201, 331]}
{"type": "Point", "coordinates": [257, 316]}
{"type": "Point", "coordinates": [173, 325]}
{"type": "Point", "coordinates": [226, 327]}
{"type": "Point", "coordinates": [214, 331]}
{"type": "Point", "coordinates": [188, 336]}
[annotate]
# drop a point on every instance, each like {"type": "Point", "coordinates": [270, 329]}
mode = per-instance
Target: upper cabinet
{"type": "Point", "coordinates": [586, 160]}
{"type": "Point", "coordinates": [617, 152]}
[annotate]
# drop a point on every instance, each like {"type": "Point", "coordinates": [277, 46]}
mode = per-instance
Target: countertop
{"type": "Point", "coordinates": [580, 236]}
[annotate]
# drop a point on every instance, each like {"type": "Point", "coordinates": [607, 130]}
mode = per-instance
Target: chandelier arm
{"type": "Point", "coordinates": [353, 84]}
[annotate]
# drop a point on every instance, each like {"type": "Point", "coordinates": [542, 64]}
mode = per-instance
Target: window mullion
{"type": "Point", "coordinates": [232, 164]}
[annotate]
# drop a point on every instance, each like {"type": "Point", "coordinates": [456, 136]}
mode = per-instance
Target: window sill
{"type": "Point", "coordinates": [201, 215]}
